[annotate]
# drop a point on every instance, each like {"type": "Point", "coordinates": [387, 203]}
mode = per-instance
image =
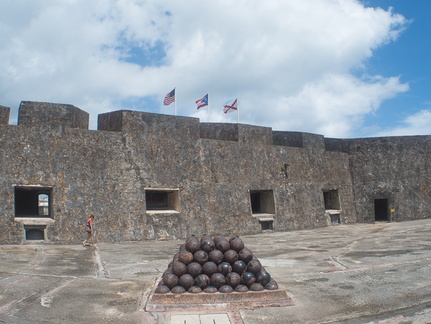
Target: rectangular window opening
{"type": "Point", "coordinates": [34, 233]}
{"type": "Point", "coordinates": [162, 200]}
{"type": "Point", "coordinates": [32, 202]}
{"type": "Point", "coordinates": [267, 225]}
{"type": "Point", "coordinates": [335, 218]}
{"type": "Point", "coordinates": [331, 200]}
{"type": "Point", "coordinates": [262, 202]}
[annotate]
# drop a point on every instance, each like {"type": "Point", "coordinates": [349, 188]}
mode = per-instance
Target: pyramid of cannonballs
{"type": "Point", "coordinates": [214, 264]}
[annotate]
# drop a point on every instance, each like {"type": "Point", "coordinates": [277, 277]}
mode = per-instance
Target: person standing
{"type": "Point", "coordinates": [89, 228]}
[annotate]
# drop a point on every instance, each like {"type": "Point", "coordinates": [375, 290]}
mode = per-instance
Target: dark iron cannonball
{"type": "Point", "coordinates": [236, 243]}
{"type": "Point", "coordinates": [224, 268]}
{"type": "Point", "coordinates": [216, 256]}
{"type": "Point", "coordinates": [193, 244]}
{"type": "Point", "coordinates": [245, 255]}
{"type": "Point", "coordinates": [207, 243]}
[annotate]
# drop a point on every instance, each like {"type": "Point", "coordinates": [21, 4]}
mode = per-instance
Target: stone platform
{"type": "Point", "coordinates": [350, 274]}
{"type": "Point", "coordinates": [220, 302]}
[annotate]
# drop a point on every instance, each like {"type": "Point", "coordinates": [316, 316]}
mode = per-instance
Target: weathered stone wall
{"type": "Point", "coordinates": [213, 168]}
{"type": "Point", "coordinates": [394, 168]}
{"type": "Point", "coordinates": [4, 115]}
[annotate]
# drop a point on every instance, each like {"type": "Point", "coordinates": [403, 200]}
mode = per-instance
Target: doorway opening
{"type": "Point", "coordinates": [381, 213]}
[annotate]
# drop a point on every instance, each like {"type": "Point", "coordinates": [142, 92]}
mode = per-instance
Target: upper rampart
{"type": "Point", "coordinates": [54, 115]}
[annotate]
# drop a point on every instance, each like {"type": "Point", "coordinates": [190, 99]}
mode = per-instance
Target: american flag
{"type": "Point", "coordinates": [233, 105]}
{"type": "Point", "coordinates": [202, 102]}
{"type": "Point", "coordinates": [169, 98]}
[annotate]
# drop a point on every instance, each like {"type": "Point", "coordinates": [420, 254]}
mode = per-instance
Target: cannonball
{"type": "Point", "coordinates": [207, 243]}
{"type": "Point", "coordinates": [176, 256]}
{"type": "Point", "coordinates": [185, 257]}
{"type": "Point", "coordinates": [178, 290]}
{"type": "Point", "coordinates": [210, 289]}
{"type": "Point", "coordinates": [186, 281]}
{"type": "Point", "coordinates": [241, 288]}
{"type": "Point", "coordinates": [216, 256]}
{"type": "Point", "coordinates": [224, 268]}
{"type": "Point", "coordinates": [233, 279]}
{"type": "Point", "coordinates": [230, 256]}
{"type": "Point", "coordinates": [202, 281]}
{"type": "Point", "coordinates": [179, 268]}
{"type": "Point", "coordinates": [236, 243]}
{"type": "Point", "coordinates": [194, 269]}
{"type": "Point", "coordinates": [245, 255]}
{"type": "Point", "coordinates": [225, 289]}
{"type": "Point", "coordinates": [194, 290]}
{"type": "Point", "coordinates": [209, 268]}
{"type": "Point", "coordinates": [248, 278]}
{"type": "Point", "coordinates": [272, 285]}
{"type": "Point", "coordinates": [221, 244]}
{"type": "Point", "coordinates": [263, 278]}
{"type": "Point", "coordinates": [254, 266]}
{"type": "Point", "coordinates": [168, 270]}
{"type": "Point", "coordinates": [217, 280]}
{"type": "Point", "coordinates": [162, 289]}
{"type": "Point", "coordinates": [217, 238]}
{"type": "Point", "coordinates": [170, 280]}
{"type": "Point", "coordinates": [193, 244]}
{"type": "Point", "coordinates": [256, 287]}
{"type": "Point", "coordinates": [200, 257]}
{"type": "Point", "coordinates": [239, 266]}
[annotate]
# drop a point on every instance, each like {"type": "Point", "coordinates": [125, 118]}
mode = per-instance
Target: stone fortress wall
{"type": "Point", "coordinates": [153, 176]}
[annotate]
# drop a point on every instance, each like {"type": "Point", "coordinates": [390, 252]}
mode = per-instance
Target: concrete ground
{"type": "Point", "coordinates": [362, 273]}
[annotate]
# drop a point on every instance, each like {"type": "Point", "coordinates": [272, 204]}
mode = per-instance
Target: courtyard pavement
{"type": "Point", "coordinates": [360, 273]}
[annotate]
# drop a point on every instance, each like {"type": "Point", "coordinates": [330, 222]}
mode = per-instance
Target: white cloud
{"type": "Point", "coordinates": [416, 124]}
{"type": "Point", "coordinates": [290, 62]}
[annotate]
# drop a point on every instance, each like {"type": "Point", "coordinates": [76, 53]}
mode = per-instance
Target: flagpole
{"type": "Point", "coordinates": [208, 117]}
{"type": "Point", "coordinates": [175, 102]}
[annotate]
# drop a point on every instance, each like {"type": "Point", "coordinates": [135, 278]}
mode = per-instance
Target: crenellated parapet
{"type": "Point", "coordinates": [309, 141]}
{"type": "Point", "coordinates": [4, 115]}
{"type": "Point", "coordinates": [51, 115]}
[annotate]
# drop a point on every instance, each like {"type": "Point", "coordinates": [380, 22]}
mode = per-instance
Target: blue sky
{"type": "Point", "coordinates": [340, 68]}
{"type": "Point", "coordinates": [408, 57]}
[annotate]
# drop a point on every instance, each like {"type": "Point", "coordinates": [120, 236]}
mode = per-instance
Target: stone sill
{"type": "Point", "coordinates": [161, 212]}
{"type": "Point", "coordinates": [332, 211]}
{"type": "Point", "coordinates": [35, 220]}
{"type": "Point", "coordinates": [263, 217]}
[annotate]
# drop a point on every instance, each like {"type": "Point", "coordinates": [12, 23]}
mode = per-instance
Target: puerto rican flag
{"type": "Point", "coordinates": [232, 105]}
{"type": "Point", "coordinates": [202, 102]}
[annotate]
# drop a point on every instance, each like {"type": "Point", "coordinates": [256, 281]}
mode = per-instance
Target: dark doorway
{"type": "Point", "coordinates": [381, 210]}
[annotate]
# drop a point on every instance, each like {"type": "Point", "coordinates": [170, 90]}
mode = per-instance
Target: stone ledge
{"type": "Point", "coordinates": [162, 212]}
{"type": "Point", "coordinates": [34, 220]}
